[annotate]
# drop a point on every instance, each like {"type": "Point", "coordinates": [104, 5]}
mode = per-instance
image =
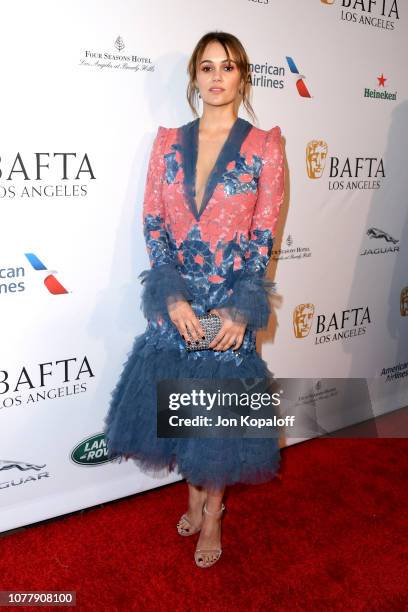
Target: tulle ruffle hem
{"type": "Point", "coordinates": [130, 424]}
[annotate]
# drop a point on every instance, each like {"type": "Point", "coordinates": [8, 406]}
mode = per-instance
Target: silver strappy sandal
{"type": "Point", "coordinates": [205, 557]}
{"type": "Point", "coordinates": [189, 529]}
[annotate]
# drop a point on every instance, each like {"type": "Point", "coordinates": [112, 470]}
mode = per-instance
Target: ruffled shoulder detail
{"type": "Point", "coordinates": [160, 140]}
{"type": "Point", "coordinates": [272, 143]}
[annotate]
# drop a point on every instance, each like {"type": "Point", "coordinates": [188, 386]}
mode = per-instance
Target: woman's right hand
{"type": "Point", "coordinates": [185, 319]}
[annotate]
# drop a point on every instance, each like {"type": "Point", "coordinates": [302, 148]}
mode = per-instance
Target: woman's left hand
{"type": "Point", "coordinates": [230, 335]}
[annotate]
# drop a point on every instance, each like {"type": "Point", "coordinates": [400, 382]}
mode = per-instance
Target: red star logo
{"type": "Point", "coordinates": [381, 80]}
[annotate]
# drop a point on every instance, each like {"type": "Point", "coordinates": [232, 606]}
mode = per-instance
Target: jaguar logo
{"type": "Point", "coordinates": [23, 466]}
{"type": "Point", "coordinates": [374, 232]}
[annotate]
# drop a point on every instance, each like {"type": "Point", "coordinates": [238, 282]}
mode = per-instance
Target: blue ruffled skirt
{"type": "Point", "coordinates": [131, 421]}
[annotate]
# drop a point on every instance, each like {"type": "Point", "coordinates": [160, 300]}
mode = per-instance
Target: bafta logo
{"type": "Point", "coordinates": [302, 319]}
{"type": "Point", "coordinates": [316, 153]}
{"type": "Point", "coordinates": [404, 302]}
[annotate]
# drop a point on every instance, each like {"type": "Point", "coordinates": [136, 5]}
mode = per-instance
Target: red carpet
{"type": "Point", "coordinates": [330, 535]}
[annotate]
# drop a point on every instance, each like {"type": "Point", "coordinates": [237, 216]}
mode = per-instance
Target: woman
{"type": "Point", "coordinates": [213, 192]}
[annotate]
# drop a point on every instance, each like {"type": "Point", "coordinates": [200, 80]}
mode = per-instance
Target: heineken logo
{"type": "Point", "coordinates": [381, 93]}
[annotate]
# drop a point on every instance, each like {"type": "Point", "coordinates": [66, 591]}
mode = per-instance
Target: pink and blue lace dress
{"type": "Point", "coordinates": [213, 257]}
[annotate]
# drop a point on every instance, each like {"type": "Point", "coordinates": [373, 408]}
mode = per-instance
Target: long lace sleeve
{"type": "Point", "coordinates": [249, 301]}
{"type": "Point", "coordinates": [163, 282]}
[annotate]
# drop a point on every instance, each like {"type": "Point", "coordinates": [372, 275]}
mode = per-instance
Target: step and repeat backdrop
{"type": "Point", "coordinates": [84, 87]}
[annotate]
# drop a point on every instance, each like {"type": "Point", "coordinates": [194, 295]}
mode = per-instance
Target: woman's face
{"type": "Point", "coordinates": [217, 81]}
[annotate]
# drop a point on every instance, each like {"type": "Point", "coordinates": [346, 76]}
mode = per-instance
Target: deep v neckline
{"type": "Point", "coordinates": [188, 143]}
{"type": "Point", "coordinates": [217, 160]}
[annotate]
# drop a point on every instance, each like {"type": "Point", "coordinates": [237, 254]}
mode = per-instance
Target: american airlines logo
{"type": "Point", "coordinates": [50, 281]}
{"type": "Point", "coordinates": [299, 78]}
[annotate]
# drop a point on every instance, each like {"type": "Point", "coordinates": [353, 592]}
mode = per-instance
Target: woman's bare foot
{"type": "Point", "coordinates": [194, 514]}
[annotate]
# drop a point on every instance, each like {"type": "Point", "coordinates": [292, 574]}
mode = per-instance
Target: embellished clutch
{"type": "Point", "coordinates": [211, 323]}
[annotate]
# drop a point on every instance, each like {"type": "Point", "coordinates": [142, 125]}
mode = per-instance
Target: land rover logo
{"type": "Point", "coordinates": [91, 451]}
